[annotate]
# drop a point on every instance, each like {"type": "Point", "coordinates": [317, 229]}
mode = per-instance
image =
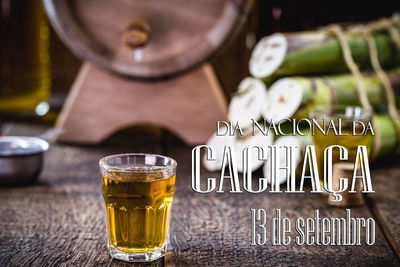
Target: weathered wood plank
{"type": "Point", "coordinates": [385, 203]}
{"type": "Point", "coordinates": [60, 221]}
{"type": "Point", "coordinates": [214, 229]}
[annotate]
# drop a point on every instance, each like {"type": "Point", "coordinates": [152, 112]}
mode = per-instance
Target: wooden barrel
{"type": "Point", "coordinates": [172, 35]}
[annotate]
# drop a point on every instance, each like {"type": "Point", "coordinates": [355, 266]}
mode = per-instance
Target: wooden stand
{"type": "Point", "coordinates": [101, 103]}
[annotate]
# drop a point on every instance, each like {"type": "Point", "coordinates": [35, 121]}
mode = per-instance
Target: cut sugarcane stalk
{"type": "Point", "coordinates": [248, 102]}
{"type": "Point", "coordinates": [385, 140]}
{"type": "Point", "coordinates": [218, 143]}
{"type": "Point", "coordinates": [384, 144]}
{"type": "Point", "coordinates": [293, 141]}
{"type": "Point", "coordinates": [294, 96]}
{"type": "Point", "coordinates": [286, 96]}
{"type": "Point", "coordinates": [247, 140]}
{"type": "Point", "coordinates": [268, 55]}
{"type": "Point", "coordinates": [312, 52]}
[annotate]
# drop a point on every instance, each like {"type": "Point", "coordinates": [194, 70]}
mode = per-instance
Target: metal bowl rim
{"type": "Point", "coordinates": [44, 146]}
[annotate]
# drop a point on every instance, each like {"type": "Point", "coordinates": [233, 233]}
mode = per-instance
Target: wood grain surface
{"type": "Point", "coordinates": [59, 221]}
{"type": "Point", "coordinates": [93, 109]}
{"type": "Point", "coordinates": [385, 203]}
{"type": "Point", "coordinates": [183, 36]}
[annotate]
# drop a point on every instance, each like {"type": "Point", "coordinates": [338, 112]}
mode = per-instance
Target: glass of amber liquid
{"type": "Point", "coordinates": [137, 191]}
{"type": "Point", "coordinates": [350, 131]}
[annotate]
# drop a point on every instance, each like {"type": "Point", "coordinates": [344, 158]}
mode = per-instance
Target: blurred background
{"type": "Point", "coordinates": [37, 70]}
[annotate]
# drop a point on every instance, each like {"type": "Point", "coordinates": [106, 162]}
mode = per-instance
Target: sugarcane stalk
{"type": "Point", "coordinates": [249, 138]}
{"type": "Point", "coordinates": [384, 143]}
{"type": "Point", "coordinates": [256, 138]}
{"type": "Point", "coordinates": [290, 96]}
{"type": "Point", "coordinates": [316, 52]}
{"type": "Point", "coordinates": [248, 102]}
{"type": "Point", "coordinates": [218, 143]}
{"type": "Point", "coordinates": [295, 96]}
{"type": "Point", "coordinates": [298, 143]}
{"type": "Point", "coordinates": [385, 139]}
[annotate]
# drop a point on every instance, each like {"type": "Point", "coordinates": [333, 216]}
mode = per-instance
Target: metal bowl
{"type": "Point", "coordinates": [21, 159]}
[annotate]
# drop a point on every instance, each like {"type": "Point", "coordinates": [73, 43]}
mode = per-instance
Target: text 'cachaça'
{"type": "Point", "coordinates": [271, 153]}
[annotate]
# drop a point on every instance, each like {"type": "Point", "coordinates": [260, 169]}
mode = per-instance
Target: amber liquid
{"type": "Point", "coordinates": [138, 208]}
{"type": "Point", "coordinates": [350, 141]}
{"type": "Point", "coordinates": [24, 56]}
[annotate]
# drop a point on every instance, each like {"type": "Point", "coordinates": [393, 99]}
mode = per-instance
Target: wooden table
{"type": "Point", "coordinates": [59, 221]}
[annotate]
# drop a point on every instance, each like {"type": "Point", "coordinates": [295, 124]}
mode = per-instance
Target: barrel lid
{"type": "Point", "coordinates": [174, 35]}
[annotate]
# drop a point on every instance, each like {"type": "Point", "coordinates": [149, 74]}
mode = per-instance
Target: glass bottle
{"type": "Point", "coordinates": [24, 58]}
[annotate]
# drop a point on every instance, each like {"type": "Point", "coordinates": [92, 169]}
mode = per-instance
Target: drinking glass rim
{"type": "Point", "coordinates": [149, 169]}
{"type": "Point", "coordinates": [322, 110]}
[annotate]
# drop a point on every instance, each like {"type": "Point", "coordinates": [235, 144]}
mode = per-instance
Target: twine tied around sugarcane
{"type": "Point", "coordinates": [390, 96]}
{"type": "Point", "coordinates": [348, 58]}
{"type": "Point", "coordinates": [388, 24]}
{"type": "Point", "coordinates": [365, 31]}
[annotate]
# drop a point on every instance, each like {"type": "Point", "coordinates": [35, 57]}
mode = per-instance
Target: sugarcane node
{"type": "Point", "coordinates": [137, 34]}
{"type": "Point", "coordinates": [384, 80]}
{"type": "Point", "coordinates": [351, 64]}
{"type": "Point", "coordinates": [313, 85]}
{"type": "Point", "coordinates": [332, 89]}
{"type": "Point", "coordinates": [305, 104]}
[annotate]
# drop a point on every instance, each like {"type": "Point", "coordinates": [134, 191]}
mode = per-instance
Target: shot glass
{"type": "Point", "coordinates": [137, 191]}
{"type": "Point", "coordinates": [324, 115]}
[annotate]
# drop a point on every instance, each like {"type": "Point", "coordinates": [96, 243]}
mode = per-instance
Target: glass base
{"type": "Point", "coordinates": [137, 257]}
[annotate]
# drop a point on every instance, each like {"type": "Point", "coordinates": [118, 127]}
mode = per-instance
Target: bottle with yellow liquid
{"type": "Point", "coordinates": [137, 191]}
{"type": "Point", "coordinates": [24, 58]}
{"type": "Point", "coordinates": [350, 131]}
